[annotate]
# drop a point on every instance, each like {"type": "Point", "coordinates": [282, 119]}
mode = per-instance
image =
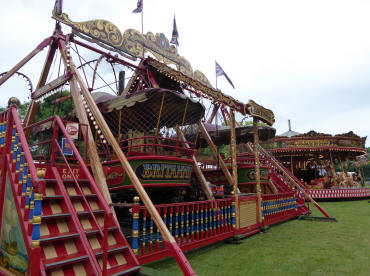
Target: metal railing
{"type": "Point", "coordinates": [156, 145]}
{"type": "Point", "coordinates": [24, 183]}
{"type": "Point", "coordinates": [42, 136]}
{"type": "Point", "coordinates": [192, 224]}
{"type": "Point", "coordinates": [278, 207]}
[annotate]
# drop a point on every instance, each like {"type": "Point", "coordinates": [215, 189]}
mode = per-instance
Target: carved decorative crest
{"type": "Point", "coordinates": [131, 42]}
{"type": "Point", "coordinates": [264, 114]}
{"type": "Point", "coordinates": [206, 91]}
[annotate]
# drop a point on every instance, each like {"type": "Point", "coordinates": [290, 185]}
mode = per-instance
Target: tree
{"type": "Point", "coordinates": [48, 107]}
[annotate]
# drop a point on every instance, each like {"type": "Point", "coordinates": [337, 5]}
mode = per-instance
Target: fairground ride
{"type": "Point", "coordinates": [312, 158]}
{"type": "Point", "coordinates": [58, 175]}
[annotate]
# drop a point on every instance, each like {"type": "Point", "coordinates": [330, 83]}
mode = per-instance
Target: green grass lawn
{"type": "Point", "coordinates": [296, 247]}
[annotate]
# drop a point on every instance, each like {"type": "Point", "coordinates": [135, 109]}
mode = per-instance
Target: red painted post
{"type": "Point", "coordinates": [192, 222]}
{"type": "Point", "coordinates": [201, 228]}
{"type": "Point", "coordinates": [197, 222]}
{"type": "Point", "coordinates": [188, 229]}
{"type": "Point", "coordinates": [53, 146]}
{"type": "Point", "coordinates": [35, 260]}
{"type": "Point", "coordinates": [157, 240]}
{"type": "Point", "coordinates": [135, 225]}
{"type": "Point", "coordinates": [143, 246]}
{"type": "Point", "coordinates": [105, 243]}
{"type": "Point", "coordinates": [165, 222]}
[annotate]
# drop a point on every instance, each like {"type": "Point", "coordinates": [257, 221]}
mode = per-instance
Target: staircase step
{"type": "Point", "coordinates": [67, 180]}
{"type": "Point", "coordinates": [79, 196]}
{"type": "Point", "coordinates": [111, 249]}
{"type": "Point", "coordinates": [95, 231]}
{"type": "Point", "coordinates": [87, 212]}
{"type": "Point", "coordinates": [64, 236]}
{"type": "Point", "coordinates": [50, 197]}
{"type": "Point", "coordinates": [65, 260]}
{"type": "Point", "coordinates": [54, 216]}
{"type": "Point", "coordinates": [123, 270]}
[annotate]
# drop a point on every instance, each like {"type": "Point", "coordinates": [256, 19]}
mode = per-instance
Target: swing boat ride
{"type": "Point", "coordinates": [117, 183]}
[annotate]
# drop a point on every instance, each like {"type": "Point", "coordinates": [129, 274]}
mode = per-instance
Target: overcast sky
{"type": "Point", "coordinates": [308, 61]}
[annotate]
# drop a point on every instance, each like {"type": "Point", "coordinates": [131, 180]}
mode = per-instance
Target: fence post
{"type": "Point", "coordinates": [233, 219]}
{"type": "Point", "coordinates": [105, 242]}
{"type": "Point", "coordinates": [135, 224]}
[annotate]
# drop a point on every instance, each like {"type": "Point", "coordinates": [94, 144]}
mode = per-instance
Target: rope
{"type": "Point", "coordinates": [119, 125]}
{"type": "Point", "coordinates": [96, 72]}
{"type": "Point", "coordinates": [186, 109]}
{"type": "Point", "coordinates": [83, 70]}
{"type": "Point", "coordinates": [160, 114]}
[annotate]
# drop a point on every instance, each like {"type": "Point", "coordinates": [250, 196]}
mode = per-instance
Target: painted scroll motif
{"type": "Point", "coordinates": [13, 255]}
{"type": "Point", "coordinates": [132, 42]}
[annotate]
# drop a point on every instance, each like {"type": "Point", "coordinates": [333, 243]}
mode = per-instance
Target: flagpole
{"type": "Point", "coordinates": [142, 28]}
{"type": "Point", "coordinates": [142, 20]}
{"type": "Point", "coordinates": [216, 73]}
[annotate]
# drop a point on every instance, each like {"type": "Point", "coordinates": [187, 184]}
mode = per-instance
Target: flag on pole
{"type": "Point", "coordinates": [220, 72]}
{"type": "Point", "coordinates": [175, 34]}
{"type": "Point", "coordinates": [58, 6]}
{"type": "Point", "coordinates": [139, 8]}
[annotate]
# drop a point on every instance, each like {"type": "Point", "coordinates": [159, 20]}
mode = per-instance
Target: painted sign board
{"type": "Point", "coordinates": [13, 253]}
{"type": "Point", "coordinates": [66, 147]}
{"type": "Point", "coordinates": [151, 172]}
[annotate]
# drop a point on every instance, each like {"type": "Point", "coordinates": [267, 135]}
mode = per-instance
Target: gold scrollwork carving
{"type": "Point", "coordinates": [264, 114]}
{"type": "Point", "coordinates": [196, 84]}
{"type": "Point", "coordinates": [134, 43]}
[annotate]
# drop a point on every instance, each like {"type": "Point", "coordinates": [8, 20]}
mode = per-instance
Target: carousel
{"type": "Point", "coordinates": [320, 161]}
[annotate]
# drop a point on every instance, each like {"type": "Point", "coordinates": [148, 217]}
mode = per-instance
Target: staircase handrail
{"type": "Point", "coordinates": [275, 162]}
{"type": "Point", "coordinates": [297, 183]}
{"type": "Point", "coordinates": [33, 251]}
{"type": "Point", "coordinates": [82, 163]}
{"type": "Point", "coordinates": [51, 120]}
{"type": "Point", "coordinates": [79, 188]}
{"type": "Point", "coordinates": [107, 210]}
{"type": "Point", "coordinates": [26, 149]}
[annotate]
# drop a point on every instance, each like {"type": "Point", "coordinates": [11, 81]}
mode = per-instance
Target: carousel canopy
{"type": "Point", "coordinates": [141, 110]}
{"type": "Point", "coordinates": [221, 134]}
{"type": "Point", "coordinates": [317, 145]}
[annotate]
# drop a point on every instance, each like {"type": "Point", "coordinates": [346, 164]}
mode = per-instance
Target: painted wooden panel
{"type": "Point", "coordinates": [13, 254]}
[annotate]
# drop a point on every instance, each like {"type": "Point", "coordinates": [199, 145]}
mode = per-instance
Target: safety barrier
{"type": "Point", "coordinates": [25, 184]}
{"type": "Point", "coordinates": [155, 145]}
{"type": "Point", "coordinates": [43, 134]}
{"type": "Point", "coordinates": [192, 224]}
{"type": "Point", "coordinates": [278, 207]}
{"type": "Point", "coordinates": [339, 193]}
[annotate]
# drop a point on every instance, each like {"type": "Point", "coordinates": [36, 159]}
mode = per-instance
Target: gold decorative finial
{"type": "Point", "coordinates": [14, 101]}
{"type": "Point", "coordinates": [41, 173]}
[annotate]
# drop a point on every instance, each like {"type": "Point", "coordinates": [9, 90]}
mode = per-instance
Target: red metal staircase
{"type": "Point", "coordinates": [67, 225]}
{"type": "Point", "coordinates": [285, 178]}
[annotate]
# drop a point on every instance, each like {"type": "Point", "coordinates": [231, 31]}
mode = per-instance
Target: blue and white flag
{"type": "Point", "coordinates": [139, 8]}
{"type": "Point", "coordinates": [221, 72]}
{"type": "Point", "coordinates": [175, 33]}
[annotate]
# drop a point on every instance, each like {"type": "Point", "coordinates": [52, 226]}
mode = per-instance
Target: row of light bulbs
{"type": "Point", "coordinates": [92, 119]}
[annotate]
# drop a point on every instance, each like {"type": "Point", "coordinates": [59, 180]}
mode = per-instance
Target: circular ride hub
{"type": "Point", "coordinates": [312, 157]}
